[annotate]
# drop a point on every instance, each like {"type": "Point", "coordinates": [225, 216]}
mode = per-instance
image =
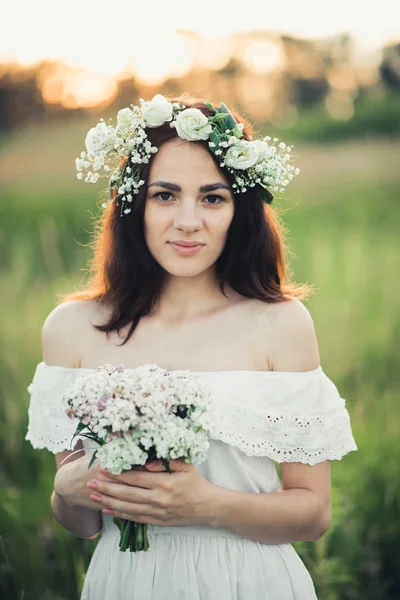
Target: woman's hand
{"type": "Point", "coordinates": [71, 479]}
{"type": "Point", "coordinates": [156, 497]}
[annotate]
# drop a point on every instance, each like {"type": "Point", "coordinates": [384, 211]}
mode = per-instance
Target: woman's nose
{"type": "Point", "coordinates": [187, 216]}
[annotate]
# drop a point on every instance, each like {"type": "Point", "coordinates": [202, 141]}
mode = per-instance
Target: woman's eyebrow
{"type": "Point", "coordinates": [210, 187]}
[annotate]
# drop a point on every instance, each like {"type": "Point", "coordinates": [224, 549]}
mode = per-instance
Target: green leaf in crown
{"type": "Point", "coordinates": [252, 162]}
{"type": "Point", "coordinates": [229, 121]}
{"type": "Point", "coordinates": [266, 195]}
{"type": "Point", "coordinates": [210, 106]}
{"type": "Point", "coordinates": [216, 138]}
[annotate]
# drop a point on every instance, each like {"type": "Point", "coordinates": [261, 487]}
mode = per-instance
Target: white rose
{"type": "Point", "coordinates": [191, 125]}
{"type": "Point", "coordinates": [157, 111]}
{"type": "Point", "coordinates": [125, 118]}
{"type": "Point", "coordinates": [262, 148]}
{"type": "Point", "coordinates": [242, 155]}
{"type": "Point", "coordinates": [100, 139]}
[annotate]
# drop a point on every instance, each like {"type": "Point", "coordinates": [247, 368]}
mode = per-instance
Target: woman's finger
{"type": "Point", "coordinates": [119, 490]}
{"type": "Point", "coordinates": [135, 478]}
{"type": "Point", "coordinates": [133, 509]}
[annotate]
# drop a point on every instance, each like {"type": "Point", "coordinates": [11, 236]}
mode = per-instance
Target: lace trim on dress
{"type": "Point", "coordinates": [49, 427]}
{"type": "Point", "coordinates": [302, 422]}
{"type": "Point", "coordinates": [286, 440]}
{"type": "Point", "coordinates": [288, 419]}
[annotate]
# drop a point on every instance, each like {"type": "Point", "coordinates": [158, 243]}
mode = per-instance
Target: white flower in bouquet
{"type": "Point", "coordinates": [139, 415]}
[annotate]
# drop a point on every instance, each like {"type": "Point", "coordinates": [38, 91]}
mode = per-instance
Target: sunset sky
{"type": "Point", "coordinates": [105, 36]}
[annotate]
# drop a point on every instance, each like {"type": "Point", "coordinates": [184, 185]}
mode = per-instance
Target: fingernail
{"type": "Point", "coordinates": [96, 497]}
{"type": "Point", "coordinates": [108, 511]}
{"type": "Point", "coordinates": [93, 484]}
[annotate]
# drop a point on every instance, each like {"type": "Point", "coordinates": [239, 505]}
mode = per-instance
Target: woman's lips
{"type": "Point", "coordinates": [186, 250]}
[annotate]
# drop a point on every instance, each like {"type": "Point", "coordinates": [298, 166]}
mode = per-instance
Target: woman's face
{"type": "Point", "coordinates": [188, 200]}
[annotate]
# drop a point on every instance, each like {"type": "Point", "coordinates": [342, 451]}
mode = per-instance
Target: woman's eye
{"type": "Point", "coordinates": [215, 197]}
{"type": "Point", "coordinates": [160, 194]}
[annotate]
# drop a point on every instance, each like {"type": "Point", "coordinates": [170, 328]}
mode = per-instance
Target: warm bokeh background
{"type": "Point", "coordinates": [324, 76]}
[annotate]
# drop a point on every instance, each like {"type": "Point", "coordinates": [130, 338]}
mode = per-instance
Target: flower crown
{"type": "Point", "coordinates": [257, 162]}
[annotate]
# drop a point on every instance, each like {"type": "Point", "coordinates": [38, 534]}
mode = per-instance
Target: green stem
{"type": "Point", "coordinates": [139, 537]}
{"type": "Point", "coordinates": [124, 541]}
{"type": "Point", "coordinates": [133, 535]}
{"type": "Point", "coordinates": [118, 522]}
{"type": "Point", "coordinates": [146, 544]}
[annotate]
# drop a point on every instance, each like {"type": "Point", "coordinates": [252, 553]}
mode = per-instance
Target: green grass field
{"type": "Point", "coordinates": [343, 223]}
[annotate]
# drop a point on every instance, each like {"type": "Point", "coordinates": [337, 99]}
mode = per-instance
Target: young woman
{"type": "Point", "coordinates": [189, 273]}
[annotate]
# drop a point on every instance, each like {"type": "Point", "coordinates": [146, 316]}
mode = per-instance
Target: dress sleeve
{"type": "Point", "coordinates": [289, 417]}
{"type": "Point", "coordinates": [48, 425]}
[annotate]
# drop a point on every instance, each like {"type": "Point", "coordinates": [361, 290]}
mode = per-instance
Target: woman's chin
{"type": "Point", "coordinates": [184, 270]}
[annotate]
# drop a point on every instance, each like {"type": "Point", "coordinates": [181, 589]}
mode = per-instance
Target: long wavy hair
{"type": "Point", "coordinates": [125, 277]}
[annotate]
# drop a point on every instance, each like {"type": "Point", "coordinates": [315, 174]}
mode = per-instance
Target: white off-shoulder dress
{"type": "Point", "coordinates": [259, 417]}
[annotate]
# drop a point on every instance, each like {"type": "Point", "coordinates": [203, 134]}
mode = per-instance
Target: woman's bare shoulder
{"type": "Point", "coordinates": [289, 330]}
{"type": "Point", "coordinates": [66, 330]}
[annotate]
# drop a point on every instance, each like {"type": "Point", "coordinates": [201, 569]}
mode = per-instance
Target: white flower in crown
{"type": "Point", "coordinates": [100, 139]}
{"type": "Point", "coordinates": [252, 162]}
{"type": "Point", "coordinates": [192, 125]}
{"type": "Point", "coordinates": [263, 149]}
{"type": "Point", "coordinates": [125, 119]}
{"type": "Point", "coordinates": [242, 155]}
{"type": "Point", "coordinates": [157, 111]}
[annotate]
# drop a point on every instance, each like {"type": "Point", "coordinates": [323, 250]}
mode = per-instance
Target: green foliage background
{"type": "Point", "coordinates": [343, 237]}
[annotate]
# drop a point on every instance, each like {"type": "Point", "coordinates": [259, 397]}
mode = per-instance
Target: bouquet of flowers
{"type": "Point", "coordinates": [137, 416]}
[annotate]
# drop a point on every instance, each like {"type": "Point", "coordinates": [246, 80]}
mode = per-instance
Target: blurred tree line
{"type": "Point", "coordinates": [270, 77]}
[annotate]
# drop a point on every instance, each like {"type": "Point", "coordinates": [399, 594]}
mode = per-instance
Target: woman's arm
{"type": "Point", "coordinates": [294, 514]}
{"type": "Point", "coordinates": [70, 501]}
{"type": "Point", "coordinates": [75, 520]}
{"type": "Point", "coordinates": [301, 511]}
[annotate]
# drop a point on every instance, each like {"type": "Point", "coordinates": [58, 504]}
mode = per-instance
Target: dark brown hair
{"type": "Point", "coordinates": [125, 277]}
